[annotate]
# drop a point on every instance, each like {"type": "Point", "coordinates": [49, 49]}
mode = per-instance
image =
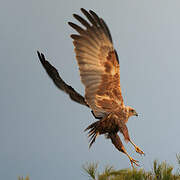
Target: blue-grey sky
{"type": "Point", "coordinates": [41, 130]}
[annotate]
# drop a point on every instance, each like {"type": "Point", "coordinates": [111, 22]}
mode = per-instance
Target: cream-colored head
{"type": "Point", "coordinates": [131, 112]}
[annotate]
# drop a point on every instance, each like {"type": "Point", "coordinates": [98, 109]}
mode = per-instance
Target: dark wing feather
{"type": "Point", "coordinates": [107, 30]}
{"type": "Point", "coordinates": [54, 75]}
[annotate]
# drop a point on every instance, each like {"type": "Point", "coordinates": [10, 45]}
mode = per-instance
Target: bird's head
{"type": "Point", "coordinates": [131, 112]}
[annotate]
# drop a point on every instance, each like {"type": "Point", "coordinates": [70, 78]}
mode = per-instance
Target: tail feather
{"type": "Point", "coordinates": [91, 126]}
{"type": "Point", "coordinates": [92, 140]}
{"type": "Point", "coordinates": [92, 133]}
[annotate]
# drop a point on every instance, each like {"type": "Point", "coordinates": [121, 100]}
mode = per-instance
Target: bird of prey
{"type": "Point", "coordinates": [99, 71]}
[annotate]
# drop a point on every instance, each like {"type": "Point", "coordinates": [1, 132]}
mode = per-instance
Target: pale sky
{"type": "Point", "coordinates": [41, 129]}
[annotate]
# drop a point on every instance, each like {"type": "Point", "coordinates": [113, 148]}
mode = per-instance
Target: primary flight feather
{"type": "Point", "coordinates": [98, 64]}
{"type": "Point", "coordinates": [99, 70]}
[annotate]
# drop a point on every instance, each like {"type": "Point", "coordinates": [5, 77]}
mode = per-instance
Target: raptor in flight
{"type": "Point", "coordinates": [99, 70]}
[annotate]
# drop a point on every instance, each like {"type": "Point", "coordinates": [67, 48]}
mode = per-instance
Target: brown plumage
{"type": "Point", "coordinates": [99, 70]}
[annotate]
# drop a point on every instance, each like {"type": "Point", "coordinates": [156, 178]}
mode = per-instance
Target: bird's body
{"type": "Point", "coordinates": [111, 124]}
{"type": "Point", "coordinates": [99, 70]}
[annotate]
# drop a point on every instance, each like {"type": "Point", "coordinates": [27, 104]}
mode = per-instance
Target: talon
{"type": "Point", "coordinates": [133, 161]}
{"type": "Point", "coordinates": [138, 150]}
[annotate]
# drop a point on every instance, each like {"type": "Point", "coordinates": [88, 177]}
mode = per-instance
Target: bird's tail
{"type": "Point", "coordinates": [92, 132]}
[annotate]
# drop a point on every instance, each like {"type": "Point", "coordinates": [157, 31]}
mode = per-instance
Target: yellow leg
{"type": "Point", "coordinates": [118, 144]}
{"type": "Point", "coordinates": [138, 150]}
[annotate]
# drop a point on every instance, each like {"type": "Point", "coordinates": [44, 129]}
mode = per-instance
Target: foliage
{"type": "Point", "coordinates": [178, 160]}
{"type": "Point", "coordinates": [21, 178]}
{"type": "Point", "coordinates": [163, 171]}
{"type": "Point", "coordinates": [160, 171]}
{"type": "Point", "coordinates": [91, 170]}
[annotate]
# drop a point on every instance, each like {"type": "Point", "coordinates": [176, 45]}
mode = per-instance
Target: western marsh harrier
{"type": "Point", "coordinates": [99, 70]}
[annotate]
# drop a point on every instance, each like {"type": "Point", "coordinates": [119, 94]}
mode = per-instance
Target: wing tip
{"type": "Point", "coordinates": [41, 56]}
{"type": "Point", "coordinates": [82, 9]}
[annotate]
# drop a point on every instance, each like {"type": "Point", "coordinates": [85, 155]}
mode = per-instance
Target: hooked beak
{"type": "Point", "coordinates": [136, 114]}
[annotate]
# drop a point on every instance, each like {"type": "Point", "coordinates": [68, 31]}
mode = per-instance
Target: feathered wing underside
{"type": "Point", "coordinates": [98, 64]}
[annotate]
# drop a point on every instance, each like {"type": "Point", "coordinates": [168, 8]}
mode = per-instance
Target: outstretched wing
{"type": "Point", "coordinates": [54, 75]}
{"type": "Point", "coordinates": [98, 64]}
